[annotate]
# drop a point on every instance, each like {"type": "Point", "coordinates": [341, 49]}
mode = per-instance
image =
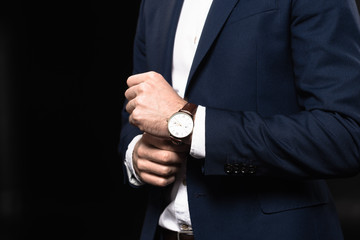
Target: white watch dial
{"type": "Point", "coordinates": [180, 125]}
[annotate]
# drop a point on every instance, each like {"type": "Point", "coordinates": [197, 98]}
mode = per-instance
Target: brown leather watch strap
{"type": "Point", "coordinates": [189, 108]}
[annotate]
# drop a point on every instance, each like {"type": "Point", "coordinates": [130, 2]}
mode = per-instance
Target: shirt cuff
{"type": "Point", "coordinates": [197, 149]}
{"type": "Point", "coordinates": [132, 176]}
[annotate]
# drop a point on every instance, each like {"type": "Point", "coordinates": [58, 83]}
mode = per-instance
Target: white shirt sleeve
{"type": "Point", "coordinates": [133, 178]}
{"type": "Point", "coordinates": [197, 149]}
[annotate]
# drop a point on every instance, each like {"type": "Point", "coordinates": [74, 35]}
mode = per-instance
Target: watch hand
{"type": "Point", "coordinates": [178, 123]}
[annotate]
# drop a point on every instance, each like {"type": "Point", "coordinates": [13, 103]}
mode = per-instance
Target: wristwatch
{"type": "Point", "coordinates": [181, 124]}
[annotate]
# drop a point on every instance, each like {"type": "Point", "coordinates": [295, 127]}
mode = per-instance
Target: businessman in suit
{"type": "Point", "coordinates": [237, 111]}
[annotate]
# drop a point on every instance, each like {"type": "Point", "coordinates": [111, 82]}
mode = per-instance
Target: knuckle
{"type": "Point", "coordinates": [141, 88]}
{"type": "Point", "coordinates": [132, 120]}
{"type": "Point", "coordinates": [163, 182]}
{"type": "Point", "coordinates": [135, 115]}
{"type": "Point", "coordinates": [136, 102]}
{"type": "Point", "coordinates": [165, 157]}
{"type": "Point", "coordinates": [140, 100]}
{"type": "Point", "coordinates": [144, 89]}
{"type": "Point", "coordinates": [154, 75]}
{"type": "Point", "coordinates": [136, 122]}
{"type": "Point", "coordinates": [140, 127]}
{"type": "Point", "coordinates": [167, 171]}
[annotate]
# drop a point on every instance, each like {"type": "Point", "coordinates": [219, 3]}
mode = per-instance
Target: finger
{"type": "Point", "coordinates": [136, 79]}
{"type": "Point", "coordinates": [156, 180]}
{"type": "Point", "coordinates": [153, 168]}
{"type": "Point", "coordinates": [142, 77]}
{"type": "Point", "coordinates": [164, 157]}
{"type": "Point", "coordinates": [131, 93]}
{"type": "Point", "coordinates": [130, 106]}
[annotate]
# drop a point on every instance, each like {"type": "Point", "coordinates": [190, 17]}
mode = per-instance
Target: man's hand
{"type": "Point", "coordinates": [151, 101]}
{"type": "Point", "coordinates": [156, 161]}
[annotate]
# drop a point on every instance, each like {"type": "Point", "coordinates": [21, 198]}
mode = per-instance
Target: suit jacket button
{"type": "Point", "coordinates": [228, 168]}
{"type": "Point", "coordinates": [244, 169]}
{"type": "Point", "coordinates": [252, 169]}
{"type": "Point", "coordinates": [236, 168]}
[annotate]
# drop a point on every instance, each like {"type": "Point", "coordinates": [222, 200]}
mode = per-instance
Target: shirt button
{"type": "Point", "coordinates": [184, 182]}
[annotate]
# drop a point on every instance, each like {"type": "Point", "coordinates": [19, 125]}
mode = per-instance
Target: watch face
{"type": "Point", "coordinates": [180, 125]}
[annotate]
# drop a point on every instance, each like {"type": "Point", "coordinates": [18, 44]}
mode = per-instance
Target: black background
{"type": "Point", "coordinates": [63, 66]}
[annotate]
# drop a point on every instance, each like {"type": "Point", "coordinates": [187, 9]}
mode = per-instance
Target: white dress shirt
{"type": "Point", "coordinates": [176, 216]}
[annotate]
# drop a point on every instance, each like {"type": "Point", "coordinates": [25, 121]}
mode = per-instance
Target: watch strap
{"type": "Point", "coordinates": [189, 108]}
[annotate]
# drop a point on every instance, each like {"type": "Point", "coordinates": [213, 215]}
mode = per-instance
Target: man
{"type": "Point", "coordinates": [269, 100]}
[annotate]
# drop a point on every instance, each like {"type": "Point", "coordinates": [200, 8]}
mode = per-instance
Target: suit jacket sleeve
{"type": "Point", "coordinates": [128, 131]}
{"type": "Point", "coordinates": [323, 139]}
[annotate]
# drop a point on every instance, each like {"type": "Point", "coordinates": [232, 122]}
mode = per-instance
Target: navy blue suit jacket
{"type": "Point", "coordinates": [280, 80]}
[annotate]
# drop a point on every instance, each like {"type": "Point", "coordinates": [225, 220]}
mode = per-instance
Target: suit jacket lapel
{"type": "Point", "coordinates": [218, 14]}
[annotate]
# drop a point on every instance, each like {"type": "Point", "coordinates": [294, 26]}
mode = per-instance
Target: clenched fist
{"type": "Point", "coordinates": [157, 161]}
{"type": "Point", "coordinates": [151, 101]}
